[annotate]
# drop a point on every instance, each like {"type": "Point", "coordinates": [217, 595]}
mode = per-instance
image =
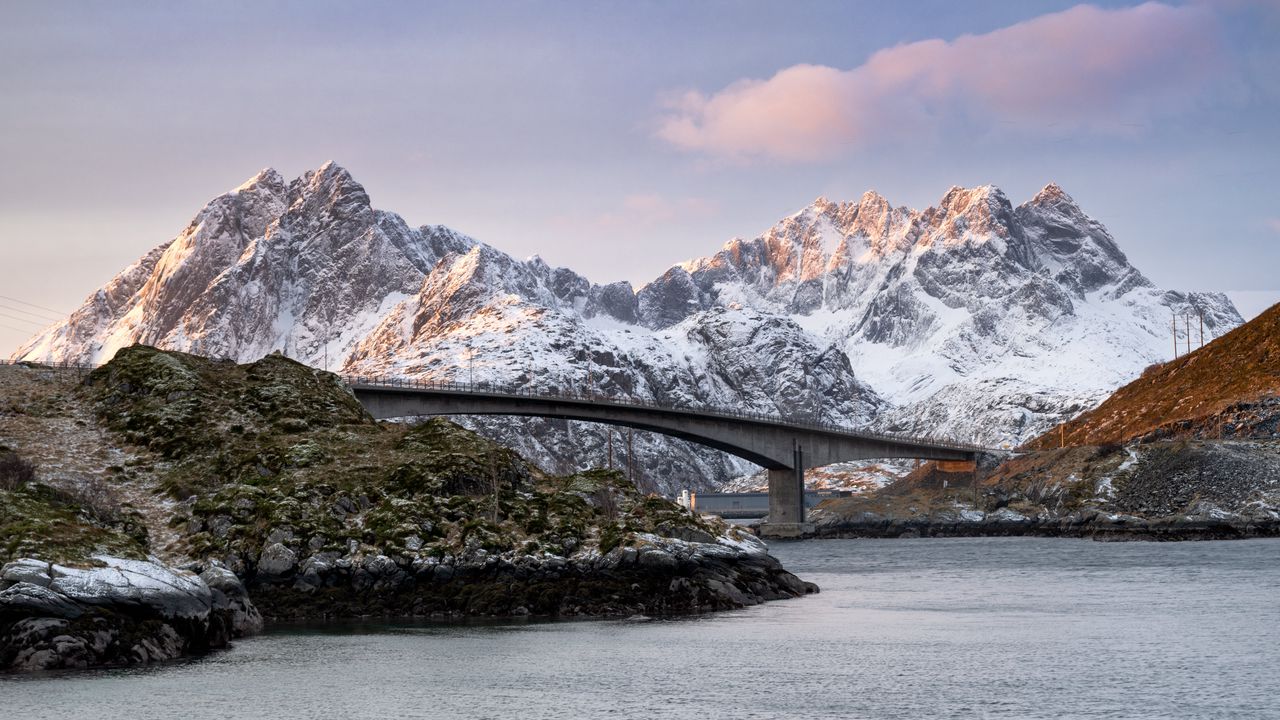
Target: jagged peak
{"type": "Point", "coordinates": [871, 197]}
{"type": "Point", "coordinates": [332, 184]}
{"type": "Point", "coordinates": [985, 200]}
{"type": "Point", "coordinates": [957, 195]}
{"type": "Point", "coordinates": [267, 176]}
{"type": "Point", "coordinates": [1052, 194]}
{"type": "Point", "coordinates": [330, 172]}
{"type": "Point", "coordinates": [822, 204]}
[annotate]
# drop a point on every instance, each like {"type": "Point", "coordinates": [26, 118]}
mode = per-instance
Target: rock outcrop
{"type": "Point", "coordinates": [278, 486]}
{"type": "Point", "coordinates": [117, 612]}
{"type": "Point", "coordinates": [653, 575]}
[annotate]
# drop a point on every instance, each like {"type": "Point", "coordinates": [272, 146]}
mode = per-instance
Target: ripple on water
{"type": "Point", "coordinates": [959, 628]}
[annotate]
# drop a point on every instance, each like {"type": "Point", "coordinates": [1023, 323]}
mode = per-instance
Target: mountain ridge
{"type": "Point", "coordinates": [968, 319]}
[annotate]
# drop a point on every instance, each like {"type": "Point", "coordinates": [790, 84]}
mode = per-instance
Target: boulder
{"type": "Point", "coordinates": [118, 612]}
{"type": "Point", "coordinates": [276, 561]}
{"type": "Point", "coordinates": [126, 583]}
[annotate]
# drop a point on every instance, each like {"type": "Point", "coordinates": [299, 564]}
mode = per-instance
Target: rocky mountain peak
{"type": "Point", "coordinates": [981, 201]}
{"type": "Point", "coordinates": [1052, 194]}
{"type": "Point", "coordinates": [980, 212]}
{"type": "Point", "coordinates": [267, 178]}
{"type": "Point", "coordinates": [823, 205]}
{"type": "Point", "coordinates": [331, 188]}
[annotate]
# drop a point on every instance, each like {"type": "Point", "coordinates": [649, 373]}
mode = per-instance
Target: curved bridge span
{"type": "Point", "coordinates": [785, 447]}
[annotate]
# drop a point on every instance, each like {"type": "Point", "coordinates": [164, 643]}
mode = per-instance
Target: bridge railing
{"type": "Point", "coordinates": [79, 369]}
{"type": "Point", "coordinates": [516, 391]}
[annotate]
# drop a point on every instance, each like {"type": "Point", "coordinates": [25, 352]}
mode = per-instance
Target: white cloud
{"type": "Point", "coordinates": [1084, 68]}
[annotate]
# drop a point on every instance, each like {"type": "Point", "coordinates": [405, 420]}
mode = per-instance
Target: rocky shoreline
{"type": "Point", "coordinates": [121, 612]}
{"type": "Point", "coordinates": [657, 576]}
{"type": "Point", "coordinates": [1169, 490]}
{"type": "Point", "coordinates": [1094, 526]}
{"type": "Point", "coordinates": [129, 612]}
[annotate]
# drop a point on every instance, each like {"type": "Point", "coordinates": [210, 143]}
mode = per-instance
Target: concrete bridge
{"type": "Point", "coordinates": [785, 447]}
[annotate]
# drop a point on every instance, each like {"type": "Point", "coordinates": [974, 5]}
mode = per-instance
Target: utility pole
{"type": "Point", "coordinates": [1200, 312]}
{"type": "Point", "coordinates": [493, 478]}
{"type": "Point", "coordinates": [610, 431]}
{"type": "Point", "coordinates": [631, 473]}
{"type": "Point", "coordinates": [1187, 317]}
{"type": "Point", "coordinates": [1174, 319]}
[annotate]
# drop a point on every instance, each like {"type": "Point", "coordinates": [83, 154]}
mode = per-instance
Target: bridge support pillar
{"type": "Point", "coordinates": [786, 502]}
{"type": "Point", "coordinates": [786, 496]}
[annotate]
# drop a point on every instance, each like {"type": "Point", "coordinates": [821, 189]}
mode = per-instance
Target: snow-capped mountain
{"type": "Point", "coordinates": [973, 319]}
{"type": "Point", "coordinates": [310, 269]}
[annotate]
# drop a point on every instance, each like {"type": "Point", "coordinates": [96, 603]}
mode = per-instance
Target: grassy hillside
{"type": "Point", "coordinates": [1230, 388]}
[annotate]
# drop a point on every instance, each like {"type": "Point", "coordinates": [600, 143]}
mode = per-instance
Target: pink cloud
{"type": "Point", "coordinates": [1084, 68]}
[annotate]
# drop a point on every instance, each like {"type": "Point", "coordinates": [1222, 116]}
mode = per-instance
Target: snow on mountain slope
{"type": "Point", "coordinates": [973, 319]}
{"type": "Point", "coordinates": [309, 268]}
{"type": "Point", "coordinates": [267, 266]}
{"type": "Point", "coordinates": [485, 318]}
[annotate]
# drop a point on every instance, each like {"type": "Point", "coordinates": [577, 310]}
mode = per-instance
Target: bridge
{"type": "Point", "coordinates": [785, 447]}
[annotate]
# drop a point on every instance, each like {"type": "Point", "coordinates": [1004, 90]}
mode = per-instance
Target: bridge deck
{"type": "Point", "coordinates": [482, 391]}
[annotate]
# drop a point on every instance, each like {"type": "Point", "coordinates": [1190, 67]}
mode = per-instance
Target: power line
{"type": "Point", "coordinates": [33, 322]}
{"type": "Point", "coordinates": [21, 330]}
{"type": "Point", "coordinates": [59, 313]}
{"type": "Point", "coordinates": [42, 316]}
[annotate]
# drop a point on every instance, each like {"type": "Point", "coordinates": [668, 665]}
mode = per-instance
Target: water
{"type": "Point", "coordinates": [964, 628]}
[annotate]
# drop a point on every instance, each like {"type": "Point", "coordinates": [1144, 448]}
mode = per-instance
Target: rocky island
{"type": "Point", "coordinates": [167, 503]}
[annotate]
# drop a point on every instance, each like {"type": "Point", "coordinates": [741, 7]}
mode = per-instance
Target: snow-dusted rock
{"type": "Point", "coordinates": [973, 319]}
{"type": "Point", "coordinates": [119, 612]}
{"type": "Point", "coordinates": [229, 594]}
{"type": "Point", "coordinates": [26, 570]}
{"type": "Point", "coordinates": [24, 598]}
{"type": "Point", "coordinates": [123, 583]}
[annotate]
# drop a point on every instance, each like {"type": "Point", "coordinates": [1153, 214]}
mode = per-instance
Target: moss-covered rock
{"type": "Point", "coordinates": [39, 521]}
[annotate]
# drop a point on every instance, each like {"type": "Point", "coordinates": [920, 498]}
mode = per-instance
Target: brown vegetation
{"type": "Point", "coordinates": [1230, 388]}
{"type": "Point", "coordinates": [15, 471]}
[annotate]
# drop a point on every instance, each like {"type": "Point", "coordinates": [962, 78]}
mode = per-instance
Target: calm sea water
{"type": "Point", "coordinates": [965, 628]}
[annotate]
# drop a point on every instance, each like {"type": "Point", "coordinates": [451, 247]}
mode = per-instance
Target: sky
{"type": "Point", "coordinates": [619, 138]}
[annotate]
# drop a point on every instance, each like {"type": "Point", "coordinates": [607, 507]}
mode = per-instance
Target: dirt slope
{"type": "Point", "coordinates": [1230, 388]}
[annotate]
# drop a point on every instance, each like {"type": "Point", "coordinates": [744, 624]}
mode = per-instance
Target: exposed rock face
{"type": "Point", "coordinates": [974, 319]}
{"type": "Point", "coordinates": [124, 612]}
{"type": "Point", "coordinates": [658, 576]}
